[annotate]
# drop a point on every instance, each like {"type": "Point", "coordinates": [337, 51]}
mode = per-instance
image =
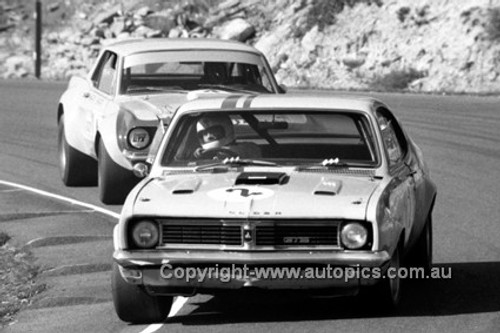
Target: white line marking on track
{"type": "Point", "coordinates": [62, 198]}
{"type": "Point", "coordinates": [152, 328]}
{"type": "Point", "coordinates": [178, 302]}
{"type": "Point", "coordinates": [176, 307]}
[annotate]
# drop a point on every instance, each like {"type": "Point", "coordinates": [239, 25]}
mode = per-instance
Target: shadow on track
{"type": "Point", "coordinates": [473, 288]}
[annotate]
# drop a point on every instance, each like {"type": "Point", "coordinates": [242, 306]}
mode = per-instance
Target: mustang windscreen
{"type": "Point", "coordinates": [286, 138]}
{"type": "Point", "coordinates": [181, 70]}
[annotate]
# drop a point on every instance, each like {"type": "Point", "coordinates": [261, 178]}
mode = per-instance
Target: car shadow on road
{"type": "Point", "coordinates": [472, 288]}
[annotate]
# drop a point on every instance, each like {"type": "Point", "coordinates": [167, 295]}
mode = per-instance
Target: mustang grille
{"type": "Point", "coordinates": [297, 235]}
{"type": "Point", "coordinates": [216, 234]}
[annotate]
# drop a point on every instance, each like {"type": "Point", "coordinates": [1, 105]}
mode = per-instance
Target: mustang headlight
{"type": "Point", "coordinates": [354, 235]}
{"type": "Point", "coordinates": [145, 234]}
{"type": "Point", "coordinates": [138, 138]}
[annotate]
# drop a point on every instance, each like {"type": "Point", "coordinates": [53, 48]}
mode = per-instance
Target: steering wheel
{"type": "Point", "coordinates": [217, 154]}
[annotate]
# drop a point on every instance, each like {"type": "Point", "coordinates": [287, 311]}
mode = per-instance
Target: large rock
{"type": "Point", "coordinates": [118, 26]}
{"type": "Point", "coordinates": [18, 66]}
{"type": "Point", "coordinates": [143, 11]}
{"type": "Point", "coordinates": [107, 16]}
{"type": "Point", "coordinates": [162, 22]}
{"type": "Point", "coordinates": [237, 29]}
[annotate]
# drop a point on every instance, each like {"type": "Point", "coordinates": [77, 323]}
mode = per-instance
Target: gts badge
{"type": "Point", "coordinates": [296, 240]}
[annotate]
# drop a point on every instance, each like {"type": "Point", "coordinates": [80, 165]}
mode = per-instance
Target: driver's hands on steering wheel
{"type": "Point", "coordinates": [198, 152]}
{"type": "Point", "coordinates": [214, 154]}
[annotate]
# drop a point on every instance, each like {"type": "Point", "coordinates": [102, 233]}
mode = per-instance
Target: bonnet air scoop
{"type": "Point", "coordinates": [262, 178]}
{"type": "Point", "coordinates": [188, 186]}
{"type": "Point", "coordinates": [328, 186]}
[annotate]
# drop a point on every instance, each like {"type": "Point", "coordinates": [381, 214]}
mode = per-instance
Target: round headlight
{"type": "Point", "coordinates": [138, 138]}
{"type": "Point", "coordinates": [354, 235]}
{"type": "Point", "coordinates": [145, 234]}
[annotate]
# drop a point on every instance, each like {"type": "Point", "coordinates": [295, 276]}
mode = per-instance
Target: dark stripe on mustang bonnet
{"type": "Point", "coordinates": [230, 102]}
{"type": "Point", "coordinates": [248, 101]}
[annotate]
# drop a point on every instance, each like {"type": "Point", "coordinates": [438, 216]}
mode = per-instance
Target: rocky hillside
{"type": "Point", "coordinates": [415, 45]}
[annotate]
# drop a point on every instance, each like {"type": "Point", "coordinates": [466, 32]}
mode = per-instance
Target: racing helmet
{"type": "Point", "coordinates": [215, 131]}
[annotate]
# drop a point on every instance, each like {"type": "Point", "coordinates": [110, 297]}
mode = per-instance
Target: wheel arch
{"type": "Point", "coordinates": [96, 143]}
{"type": "Point", "coordinates": [60, 111]}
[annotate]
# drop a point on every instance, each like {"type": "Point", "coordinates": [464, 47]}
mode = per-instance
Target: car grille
{"type": "Point", "coordinates": [296, 235]}
{"type": "Point", "coordinates": [216, 234]}
{"type": "Point", "coordinates": [264, 233]}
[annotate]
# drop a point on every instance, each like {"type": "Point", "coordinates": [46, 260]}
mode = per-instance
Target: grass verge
{"type": "Point", "coordinates": [17, 278]}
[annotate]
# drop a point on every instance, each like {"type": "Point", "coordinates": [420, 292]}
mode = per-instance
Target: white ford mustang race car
{"type": "Point", "coordinates": [108, 119]}
{"type": "Point", "coordinates": [247, 183]}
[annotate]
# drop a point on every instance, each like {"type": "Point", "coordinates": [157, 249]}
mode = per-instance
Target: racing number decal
{"type": "Point", "coordinates": [240, 193]}
{"type": "Point", "coordinates": [244, 192]}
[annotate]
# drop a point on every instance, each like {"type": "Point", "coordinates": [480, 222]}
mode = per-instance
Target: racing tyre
{"type": "Point", "coordinates": [388, 291]}
{"type": "Point", "coordinates": [114, 181]}
{"type": "Point", "coordinates": [421, 253]}
{"type": "Point", "coordinates": [134, 305]}
{"type": "Point", "coordinates": [76, 168]}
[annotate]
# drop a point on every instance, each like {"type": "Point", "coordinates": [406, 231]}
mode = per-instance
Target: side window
{"type": "Point", "coordinates": [392, 135]}
{"type": "Point", "coordinates": [105, 75]}
{"type": "Point", "coordinates": [266, 82]}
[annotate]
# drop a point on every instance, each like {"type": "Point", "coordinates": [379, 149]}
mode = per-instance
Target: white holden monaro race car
{"type": "Point", "coordinates": [246, 183]}
{"type": "Point", "coordinates": [108, 119]}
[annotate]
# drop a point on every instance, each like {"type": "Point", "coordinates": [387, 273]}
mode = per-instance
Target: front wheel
{"type": "Point", "coordinates": [387, 293]}
{"type": "Point", "coordinates": [115, 182]}
{"type": "Point", "coordinates": [421, 253]}
{"type": "Point", "coordinates": [76, 168]}
{"type": "Point", "coordinates": [134, 305]}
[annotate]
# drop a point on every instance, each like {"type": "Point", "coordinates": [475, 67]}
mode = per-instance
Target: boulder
{"type": "Point", "coordinates": [142, 31]}
{"type": "Point", "coordinates": [144, 11]}
{"type": "Point", "coordinates": [118, 26]}
{"type": "Point", "coordinates": [53, 7]}
{"type": "Point", "coordinates": [161, 22]}
{"type": "Point", "coordinates": [237, 29]}
{"type": "Point", "coordinates": [107, 16]}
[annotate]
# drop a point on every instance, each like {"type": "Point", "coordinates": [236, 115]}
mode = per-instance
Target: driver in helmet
{"type": "Point", "coordinates": [216, 136]}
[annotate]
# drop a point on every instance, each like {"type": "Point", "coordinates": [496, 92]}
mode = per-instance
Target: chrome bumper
{"type": "Point", "coordinates": [156, 269]}
{"type": "Point", "coordinates": [147, 258]}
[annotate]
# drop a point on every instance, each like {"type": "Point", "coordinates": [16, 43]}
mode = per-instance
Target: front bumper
{"type": "Point", "coordinates": [136, 156]}
{"type": "Point", "coordinates": [188, 272]}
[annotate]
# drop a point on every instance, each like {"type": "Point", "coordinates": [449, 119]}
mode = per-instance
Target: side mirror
{"type": "Point", "coordinates": [140, 170]}
{"type": "Point", "coordinates": [282, 88]}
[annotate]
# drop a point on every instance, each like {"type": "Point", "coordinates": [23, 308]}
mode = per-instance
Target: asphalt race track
{"type": "Point", "coordinates": [459, 136]}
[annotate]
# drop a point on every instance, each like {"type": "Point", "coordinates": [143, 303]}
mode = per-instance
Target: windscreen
{"type": "Point", "coordinates": [191, 70]}
{"type": "Point", "coordinates": [288, 138]}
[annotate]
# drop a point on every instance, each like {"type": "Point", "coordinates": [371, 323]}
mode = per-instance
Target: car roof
{"type": "Point", "coordinates": [286, 102]}
{"type": "Point", "coordinates": [139, 45]}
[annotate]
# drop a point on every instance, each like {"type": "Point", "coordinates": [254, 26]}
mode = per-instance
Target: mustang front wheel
{"type": "Point", "coordinates": [76, 168]}
{"type": "Point", "coordinates": [115, 182]}
{"type": "Point", "coordinates": [134, 305]}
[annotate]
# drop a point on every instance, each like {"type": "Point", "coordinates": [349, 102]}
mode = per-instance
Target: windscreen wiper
{"type": "Point", "coordinates": [218, 87]}
{"type": "Point", "coordinates": [234, 161]}
{"type": "Point", "coordinates": [153, 89]}
{"type": "Point", "coordinates": [326, 164]}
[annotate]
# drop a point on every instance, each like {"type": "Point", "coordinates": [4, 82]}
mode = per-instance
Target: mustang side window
{"type": "Point", "coordinates": [106, 80]}
{"type": "Point", "coordinates": [392, 135]}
